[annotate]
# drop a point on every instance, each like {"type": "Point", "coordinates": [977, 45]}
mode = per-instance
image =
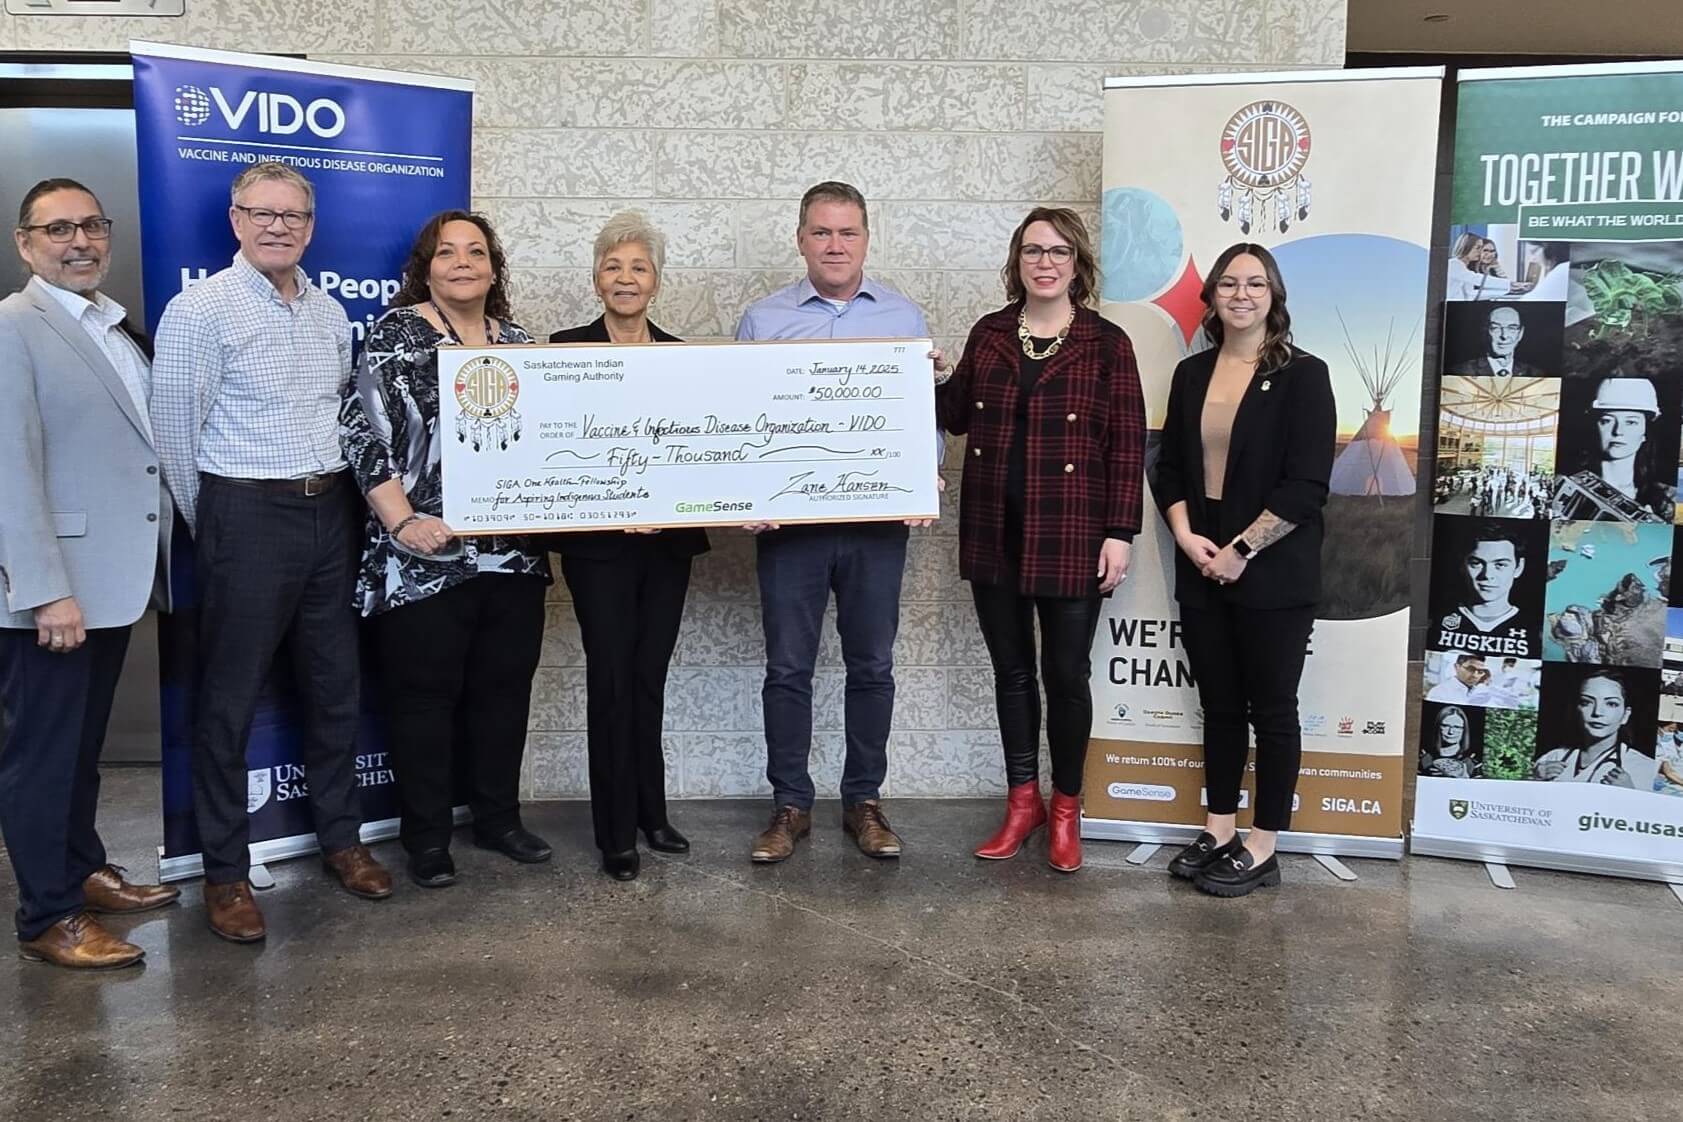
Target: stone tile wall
{"type": "Point", "coordinates": [953, 116]}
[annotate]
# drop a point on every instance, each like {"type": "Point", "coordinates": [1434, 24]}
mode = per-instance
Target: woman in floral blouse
{"type": "Point", "coordinates": [457, 621]}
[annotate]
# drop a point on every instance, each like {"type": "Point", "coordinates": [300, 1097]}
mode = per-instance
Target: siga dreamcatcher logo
{"type": "Point", "coordinates": [1264, 149]}
{"type": "Point", "coordinates": [487, 389]}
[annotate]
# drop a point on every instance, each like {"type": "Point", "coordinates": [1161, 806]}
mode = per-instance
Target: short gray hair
{"type": "Point", "coordinates": [627, 227]}
{"type": "Point", "coordinates": [275, 171]}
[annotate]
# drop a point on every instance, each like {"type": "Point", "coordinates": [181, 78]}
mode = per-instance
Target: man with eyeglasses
{"type": "Point", "coordinates": [1504, 329]}
{"type": "Point", "coordinates": [862, 562]}
{"type": "Point", "coordinates": [84, 532]}
{"type": "Point", "coordinates": [252, 364]}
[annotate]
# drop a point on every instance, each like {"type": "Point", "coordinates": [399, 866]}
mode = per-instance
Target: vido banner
{"type": "Point", "coordinates": [1333, 171]}
{"type": "Point", "coordinates": [1552, 729]}
{"type": "Point", "coordinates": [385, 152]}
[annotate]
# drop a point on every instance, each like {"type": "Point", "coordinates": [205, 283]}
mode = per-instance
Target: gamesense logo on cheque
{"type": "Point", "coordinates": [713, 507]}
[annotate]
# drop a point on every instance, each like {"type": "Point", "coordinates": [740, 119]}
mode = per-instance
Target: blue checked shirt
{"type": "Point", "coordinates": [875, 312]}
{"type": "Point", "coordinates": [247, 385]}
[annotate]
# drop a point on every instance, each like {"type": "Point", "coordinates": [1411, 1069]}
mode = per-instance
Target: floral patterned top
{"type": "Point", "coordinates": [389, 426]}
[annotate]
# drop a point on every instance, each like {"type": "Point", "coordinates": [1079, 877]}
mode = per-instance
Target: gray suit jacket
{"type": "Point", "coordinates": [83, 510]}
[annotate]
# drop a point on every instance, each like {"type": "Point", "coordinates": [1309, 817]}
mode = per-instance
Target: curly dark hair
{"type": "Point", "coordinates": [1276, 339]}
{"type": "Point", "coordinates": [417, 271]}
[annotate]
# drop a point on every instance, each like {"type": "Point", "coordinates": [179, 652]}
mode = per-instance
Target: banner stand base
{"type": "Point", "coordinates": [1334, 866]}
{"type": "Point", "coordinates": [1426, 845]}
{"type": "Point", "coordinates": [261, 878]}
{"type": "Point", "coordinates": [1499, 874]}
{"type": "Point", "coordinates": [1677, 891]}
{"type": "Point", "coordinates": [186, 866]}
{"type": "Point", "coordinates": [1142, 852]}
{"type": "Point", "coordinates": [1169, 833]}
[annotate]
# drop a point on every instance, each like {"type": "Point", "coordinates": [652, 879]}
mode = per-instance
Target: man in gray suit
{"type": "Point", "coordinates": [84, 530]}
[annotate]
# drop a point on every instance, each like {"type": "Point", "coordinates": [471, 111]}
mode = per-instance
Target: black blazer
{"type": "Point", "coordinates": [1279, 458]}
{"type": "Point", "coordinates": [606, 545]}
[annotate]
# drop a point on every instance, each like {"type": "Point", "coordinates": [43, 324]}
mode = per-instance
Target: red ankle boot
{"type": "Point", "coordinates": [1065, 854]}
{"type": "Point", "coordinates": [1024, 814]}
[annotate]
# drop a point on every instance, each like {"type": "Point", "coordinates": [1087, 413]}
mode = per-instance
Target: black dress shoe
{"type": "Point", "coordinates": [432, 868]}
{"type": "Point", "coordinates": [1198, 856]}
{"type": "Point", "coordinates": [622, 866]}
{"type": "Point", "coordinates": [667, 840]}
{"type": "Point", "coordinates": [1238, 874]}
{"type": "Point", "coordinates": [520, 844]}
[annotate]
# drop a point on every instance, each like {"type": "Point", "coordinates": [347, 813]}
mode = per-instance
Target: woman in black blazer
{"type": "Point", "coordinates": [1246, 454]}
{"type": "Point", "coordinates": [628, 592]}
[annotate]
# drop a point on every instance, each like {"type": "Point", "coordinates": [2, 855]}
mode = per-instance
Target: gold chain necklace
{"type": "Point", "coordinates": [1028, 339]}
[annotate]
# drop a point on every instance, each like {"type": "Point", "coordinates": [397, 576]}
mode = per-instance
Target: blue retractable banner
{"type": "Point", "coordinates": [385, 151]}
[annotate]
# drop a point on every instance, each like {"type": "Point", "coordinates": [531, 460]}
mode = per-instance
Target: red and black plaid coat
{"type": "Point", "coordinates": [1085, 462]}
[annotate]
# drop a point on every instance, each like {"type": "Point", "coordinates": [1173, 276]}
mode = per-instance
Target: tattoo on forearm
{"type": "Point", "coordinates": [1266, 530]}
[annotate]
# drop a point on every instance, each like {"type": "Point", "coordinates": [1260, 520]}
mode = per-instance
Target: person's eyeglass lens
{"type": "Point", "coordinates": [1228, 286]}
{"type": "Point", "coordinates": [263, 219]}
{"type": "Point", "coordinates": [1060, 254]}
{"type": "Point", "coordinates": [97, 230]}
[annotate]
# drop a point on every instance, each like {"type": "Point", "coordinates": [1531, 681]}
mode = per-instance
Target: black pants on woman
{"type": "Point", "coordinates": [629, 609]}
{"type": "Point", "coordinates": [456, 680]}
{"type": "Point", "coordinates": [1248, 662]}
{"type": "Point", "coordinates": [1066, 635]}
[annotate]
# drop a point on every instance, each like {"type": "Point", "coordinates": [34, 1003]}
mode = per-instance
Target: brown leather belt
{"type": "Point", "coordinates": [308, 487]}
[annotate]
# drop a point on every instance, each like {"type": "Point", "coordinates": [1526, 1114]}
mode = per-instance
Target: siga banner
{"type": "Point", "coordinates": [1553, 692]}
{"type": "Point", "coordinates": [385, 152]}
{"type": "Point", "coordinates": [1333, 172]}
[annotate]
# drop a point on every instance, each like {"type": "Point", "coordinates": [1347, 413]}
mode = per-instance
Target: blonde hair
{"type": "Point", "coordinates": [276, 172]}
{"type": "Point", "coordinates": [628, 227]}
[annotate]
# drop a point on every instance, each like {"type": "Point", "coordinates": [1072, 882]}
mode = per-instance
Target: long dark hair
{"type": "Point", "coordinates": [1276, 340]}
{"type": "Point", "coordinates": [1084, 285]}
{"type": "Point", "coordinates": [1649, 477]}
{"type": "Point", "coordinates": [417, 271]}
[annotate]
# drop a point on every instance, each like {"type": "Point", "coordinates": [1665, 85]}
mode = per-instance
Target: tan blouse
{"type": "Point", "coordinates": [1216, 428]}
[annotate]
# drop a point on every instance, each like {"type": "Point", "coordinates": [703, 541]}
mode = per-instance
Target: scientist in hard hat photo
{"type": "Point", "coordinates": [1618, 449]}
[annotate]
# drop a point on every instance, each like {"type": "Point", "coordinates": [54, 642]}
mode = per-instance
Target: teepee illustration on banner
{"type": "Point", "coordinates": [1373, 463]}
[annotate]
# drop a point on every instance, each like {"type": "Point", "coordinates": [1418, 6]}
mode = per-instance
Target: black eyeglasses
{"type": "Point", "coordinates": [263, 218]}
{"type": "Point", "coordinates": [97, 229]}
{"type": "Point", "coordinates": [1060, 254]}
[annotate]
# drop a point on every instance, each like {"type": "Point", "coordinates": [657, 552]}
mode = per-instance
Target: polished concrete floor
{"type": "Point", "coordinates": [834, 987]}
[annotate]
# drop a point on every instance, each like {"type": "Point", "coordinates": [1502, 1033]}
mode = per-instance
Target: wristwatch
{"type": "Point", "coordinates": [1243, 548]}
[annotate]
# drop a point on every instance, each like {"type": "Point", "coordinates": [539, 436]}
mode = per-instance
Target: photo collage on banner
{"type": "Point", "coordinates": [1296, 163]}
{"type": "Point", "coordinates": [1554, 656]}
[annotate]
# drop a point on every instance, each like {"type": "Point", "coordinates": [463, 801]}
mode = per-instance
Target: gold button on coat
{"type": "Point", "coordinates": [1069, 468]}
{"type": "Point", "coordinates": [978, 451]}
{"type": "Point", "coordinates": [1070, 418]}
{"type": "Point", "coordinates": [979, 405]}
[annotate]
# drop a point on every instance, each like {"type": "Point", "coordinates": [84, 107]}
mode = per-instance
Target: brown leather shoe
{"type": "Point", "coordinates": [234, 914]}
{"type": "Point", "coordinates": [789, 825]}
{"type": "Point", "coordinates": [107, 892]}
{"type": "Point", "coordinates": [868, 826]}
{"type": "Point", "coordinates": [80, 943]}
{"type": "Point", "coordinates": [359, 872]}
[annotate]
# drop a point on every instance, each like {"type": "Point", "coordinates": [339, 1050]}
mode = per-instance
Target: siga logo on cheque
{"type": "Point", "coordinates": [277, 114]}
{"type": "Point", "coordinates": [487, 389]}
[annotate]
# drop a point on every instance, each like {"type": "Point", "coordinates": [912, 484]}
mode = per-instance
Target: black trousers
{"type": "Point", "coordinates": [274, 570]}
{"type": "Point", "coordinates": [56, 707]}
{"type": "Point", "coordinates": [456, 689]}
{"type": "Point", "coordinates": [629, 610]}
{"type": "Point", "coordinates": [1066, 633]}
{"type": "Point", "coordinates": [1248, 663]}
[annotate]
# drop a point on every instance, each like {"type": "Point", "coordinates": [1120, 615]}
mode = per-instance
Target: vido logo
{"type": "Point", "coordinates": [277, 114]}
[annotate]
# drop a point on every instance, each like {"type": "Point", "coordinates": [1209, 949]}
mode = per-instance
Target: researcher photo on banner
{"type": "Point", "coordinates": [1598, 724]}
{"type": "Point", "coordinates": [1603, 604]}
{"type": "Point", "coordinates": [1452, 741]}
{"type": "Point", "coordinates": [1616, 452]}
{"type": "Point", "coordinates": [1496, 446]}
{"type": "Point", "coordinates": [1487, 586]}
{"type": "Point", "coordinates": [1624, 309]}
{"type": "Point", "coordinates": [1502, 340]}
{"type": "Point", "coordinates": [1466, 678]}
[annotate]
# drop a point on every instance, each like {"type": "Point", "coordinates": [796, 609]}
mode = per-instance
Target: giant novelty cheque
{"type": "Point", "coordinates": [587, 436]}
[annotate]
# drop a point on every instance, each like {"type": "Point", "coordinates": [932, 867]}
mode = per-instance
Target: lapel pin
{"type": "Point", "coordinates": [1265, 384]}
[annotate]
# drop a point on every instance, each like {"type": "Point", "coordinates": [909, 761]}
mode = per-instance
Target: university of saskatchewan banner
{"type": "Point", "coordinates": [1552, 723]}
{"type": "Point", "coordinates": [385, 152]}
{"type": "Point", "coordinates": [1334, 173]}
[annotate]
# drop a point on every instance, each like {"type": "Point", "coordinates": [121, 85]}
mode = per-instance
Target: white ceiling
{"type": "Point", "coordinates": [1549, 27]}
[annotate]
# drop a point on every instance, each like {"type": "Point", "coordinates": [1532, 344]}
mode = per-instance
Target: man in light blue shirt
{"type": "Point", "coordinates": [862, 562]}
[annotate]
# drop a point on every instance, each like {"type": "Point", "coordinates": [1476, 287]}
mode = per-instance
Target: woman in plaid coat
{"type": "Point", "coordinates": [1049, 396]}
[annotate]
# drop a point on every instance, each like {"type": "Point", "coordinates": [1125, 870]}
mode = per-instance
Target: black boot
{"type": "Point", "coordinates": [432, 868]}
{"type": "Point", "coordinates": [1238, 874]}
{"type": "Point", "coordinates": [667, 840]}
{"type": "Point", "coordinates": [1198, 856]}
{"type": "Point", "coordinates": [623, 865]}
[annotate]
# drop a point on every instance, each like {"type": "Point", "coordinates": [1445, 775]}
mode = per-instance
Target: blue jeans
{"type": "Point", "coordinates": [798, 567]}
